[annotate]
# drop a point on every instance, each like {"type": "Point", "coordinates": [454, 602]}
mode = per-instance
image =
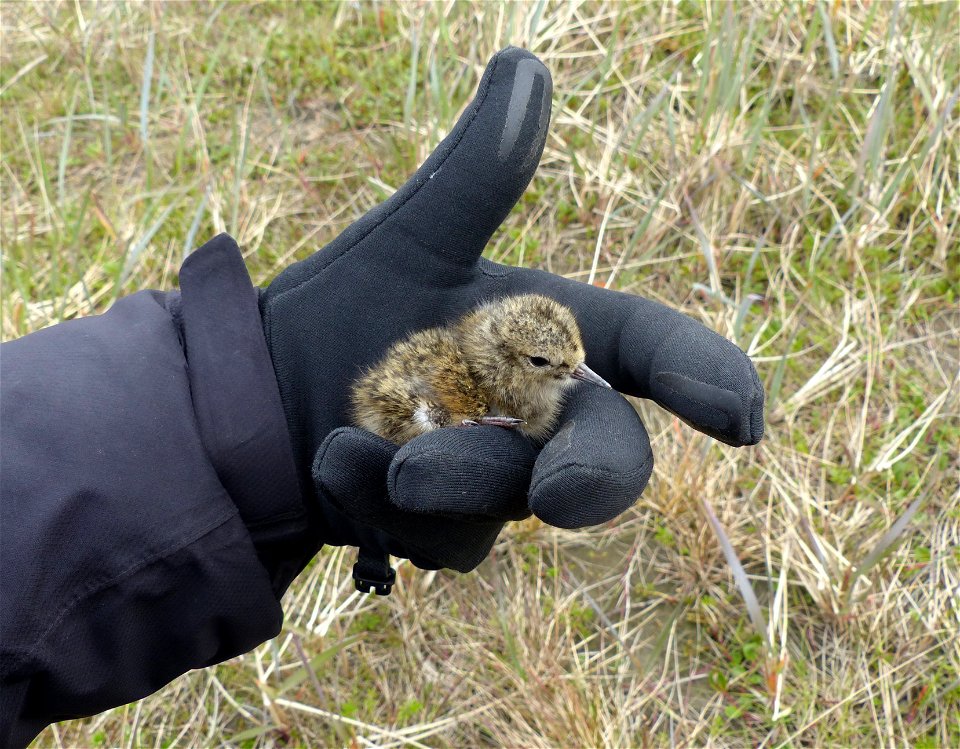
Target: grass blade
{"type": "Point", "coordinates": [828, 38]}
{"type": "Point", "coordinates": [195, 225]}
{"type": "Point", "coordinates": [145, 88]}
{"type": "Point", "coordinates": [885, 545]}
{"type": "Point", "coordinates": [305, 671]}
{"type": "Point", "coordinates": [65, 152]}
{"type": "Point", "coordinates": [134, 253]}
{"type": "Point", "coordinates": [739, 574]}
{"type": "Point", "coordinates": [412, 80]}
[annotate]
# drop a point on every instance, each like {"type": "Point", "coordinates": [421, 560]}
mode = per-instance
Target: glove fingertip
{"type": "Point", "coordinates": [348, 457]}
{"type": "Point", "coordinates": [597, 464]}
{"type": "Point", "coordinates": [576, 496]}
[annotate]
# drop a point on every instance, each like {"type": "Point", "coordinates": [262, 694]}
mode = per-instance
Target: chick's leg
{"type": "Point", "coordinates": [507, 422]}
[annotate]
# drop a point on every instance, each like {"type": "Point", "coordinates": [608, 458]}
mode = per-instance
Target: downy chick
{"type": "Point", "coordinates": [506, 363]}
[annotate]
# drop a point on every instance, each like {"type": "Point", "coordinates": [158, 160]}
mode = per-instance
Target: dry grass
{"type": "Point", "coordinates": [785, 173]}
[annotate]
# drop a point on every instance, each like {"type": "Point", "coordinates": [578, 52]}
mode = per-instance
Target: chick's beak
{"type": "Point", "coordinates": [583, 372]}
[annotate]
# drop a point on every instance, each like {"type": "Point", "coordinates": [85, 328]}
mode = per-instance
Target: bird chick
{"type": "Point", "coordinates": [507, 363]}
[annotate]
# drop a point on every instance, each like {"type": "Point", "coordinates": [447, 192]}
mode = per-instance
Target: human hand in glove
{"type": "Point", "coordinates": [414, 262]}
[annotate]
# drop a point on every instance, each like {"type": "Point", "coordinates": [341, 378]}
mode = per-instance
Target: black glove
{"type": "Point", "coordinates": [414, 262]}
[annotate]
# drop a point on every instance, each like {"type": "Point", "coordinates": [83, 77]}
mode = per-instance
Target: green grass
{"type": "Point", "coordinates": [803, 153]}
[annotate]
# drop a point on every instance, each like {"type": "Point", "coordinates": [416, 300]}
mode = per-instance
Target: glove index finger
{"type": "Point", "coordinates": [597, 463]}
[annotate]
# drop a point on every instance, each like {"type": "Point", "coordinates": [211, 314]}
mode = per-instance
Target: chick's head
{"type": "Point", "coordinates": [527, 343]}
{"type": "Point", "coordinates": [538, 337]}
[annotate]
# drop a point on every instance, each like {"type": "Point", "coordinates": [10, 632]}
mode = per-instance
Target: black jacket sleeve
{"type": "Point", "coordinates": [146, 479]}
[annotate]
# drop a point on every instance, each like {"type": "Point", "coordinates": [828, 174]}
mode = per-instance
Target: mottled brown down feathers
{"type": "Point", "coordinates": [514, 357]}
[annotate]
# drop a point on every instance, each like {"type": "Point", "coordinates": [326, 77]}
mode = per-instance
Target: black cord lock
{"type": "Point", "coordinates": [373, 572]}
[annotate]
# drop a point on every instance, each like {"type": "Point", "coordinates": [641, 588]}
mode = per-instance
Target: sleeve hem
{"type": "Point", "coordinates": [235, 392]}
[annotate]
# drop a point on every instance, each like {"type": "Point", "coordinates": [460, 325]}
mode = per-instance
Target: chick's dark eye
{"type": "Point", "coordinates": [539, 361]}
